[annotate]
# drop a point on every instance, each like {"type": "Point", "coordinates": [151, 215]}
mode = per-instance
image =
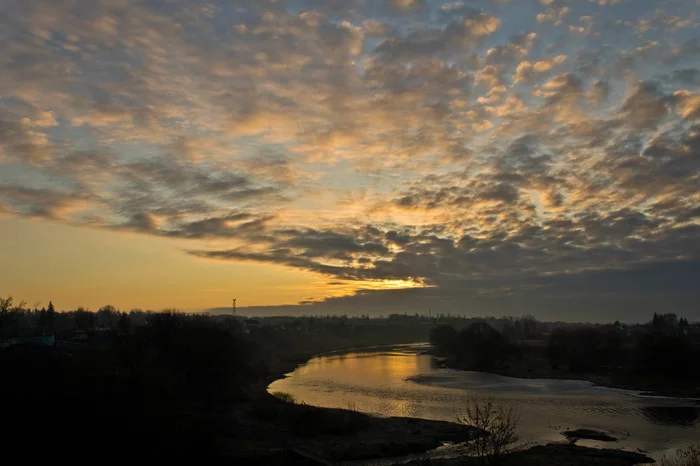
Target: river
{"type": "Point", "coordinates": [400, 381]}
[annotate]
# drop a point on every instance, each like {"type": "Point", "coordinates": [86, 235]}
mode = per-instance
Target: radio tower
{"type": "Point", "coordinates": [234, 308]}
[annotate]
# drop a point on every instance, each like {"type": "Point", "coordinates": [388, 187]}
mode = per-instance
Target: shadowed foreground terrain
{"type": "Point", "coordinates": [166, 387]}
{"type": "Point", "coordinates": [554, 454]}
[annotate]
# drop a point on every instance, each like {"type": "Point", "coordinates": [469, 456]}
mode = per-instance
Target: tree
{"type": "Point", "coordinates": [497, 423]}
{"type": "Point", "coordinates": [6, 304]}
{"type": "Point", "coordinates": [445, 337]}
{"type": "Point", "coordinates": [124, 324]}
{"type": "Point", "coordinates": [47, 318]}
{"type": "Point", "coordinates": [664, 323]}
{"type": "Point", "coordinates": [611, 346]}
{"type": "Point", "coordinates": [662, 354]}
{"type": "Point", "coordinates": [9, 312]}
{"type": "Point", "coordinates": [84, 320]}
{"type": "Point", "coordinates": [107, 316]}
{"type": "Point", "coordinates": [581, 349]}
{"type": "Point", "coordinates": [483, 345]}
{"type": "Point", "coordinates": [529, 327]}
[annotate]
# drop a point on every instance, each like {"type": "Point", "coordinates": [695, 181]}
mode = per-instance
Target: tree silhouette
{"type": "Point", "coordinates": [446, 338]}
{"type": "Point", "coordinates": [84, 320]}
{"type": "Point", "coordinates": [483, 345]}
{"type": "Point", "coordinates": [124, 325]}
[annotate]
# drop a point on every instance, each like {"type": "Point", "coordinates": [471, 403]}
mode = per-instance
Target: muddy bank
{"type": "Point", "coordinates": [588, 434]}
{"type": "Point", "coordinates": [266, 430]}
{"type": "Point", "coordinates": [273, 432]}
{"type": "Point", "coordinates": [270, 431]}
{"type": "Point", "coordinates": [554, 455]}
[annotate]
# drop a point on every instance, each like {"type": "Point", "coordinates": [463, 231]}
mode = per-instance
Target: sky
{"type": "Point", "coordinates": [486, 157]}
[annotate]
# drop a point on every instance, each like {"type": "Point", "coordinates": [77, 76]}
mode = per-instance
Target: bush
{"type": "Point", "coordinates": [498, 423]}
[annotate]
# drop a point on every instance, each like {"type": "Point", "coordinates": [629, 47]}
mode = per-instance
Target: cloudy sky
{"type": "Point", "coordinates": [485, 157]}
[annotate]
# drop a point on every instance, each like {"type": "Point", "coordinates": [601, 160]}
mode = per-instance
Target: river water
{"type": "Point", "coordinates": [403, 382]}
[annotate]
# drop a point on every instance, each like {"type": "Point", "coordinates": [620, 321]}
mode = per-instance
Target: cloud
{"type": "Point", "coordinates": [645, 107]}
{"type": "Point", "coordinates": [411, 5]}
{"type": "Point", "coordinates": [459, 33]}
{"type": "Point", "coordinates": [480, 148]}
{"type": "Point", "coordinates": [554, 15]}
{"type": "Point", "coordinates": [687, 76]}
{"type": "Point", "coordinates": [598, 93]}
{"type": "Point", "coordinates": [41, 203]}
{"type": "Point", "coordinates": [526, 71]}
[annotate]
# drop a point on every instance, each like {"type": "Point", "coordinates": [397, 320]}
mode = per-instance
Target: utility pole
{"type": "Point", "coordinates": [234, 307]}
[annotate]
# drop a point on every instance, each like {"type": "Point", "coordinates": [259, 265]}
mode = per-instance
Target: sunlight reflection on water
{"type": "Point", "coordinates": [402, 382]}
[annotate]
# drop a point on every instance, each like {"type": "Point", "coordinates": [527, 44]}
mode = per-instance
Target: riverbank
{"type": "Point", "coordinates": [539, 369]}
{"type": "Point", "coordinates": [267, 430]}
{"type": "Point", "coordinates": [284, 433]}
{"type": "Point", "coordinates": [553, 455]}
{"type": "Point", "coordinates": [270, 431]}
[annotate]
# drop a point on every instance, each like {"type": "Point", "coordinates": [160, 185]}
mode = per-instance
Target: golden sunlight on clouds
{"type": "Point", "coordinates": [158, 155]}
{"type": "Point", "coordinates": [388, 285]}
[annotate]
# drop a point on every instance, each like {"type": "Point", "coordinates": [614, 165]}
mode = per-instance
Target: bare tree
{"type": "Point", "coordinates": [498, 423]}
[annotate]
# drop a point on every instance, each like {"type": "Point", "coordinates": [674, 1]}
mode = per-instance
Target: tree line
{"type": "Point", "coordinates": [665, 346]}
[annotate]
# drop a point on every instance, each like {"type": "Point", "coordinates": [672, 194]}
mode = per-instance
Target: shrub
{"type": "Point", "coordinates": [498, 423]}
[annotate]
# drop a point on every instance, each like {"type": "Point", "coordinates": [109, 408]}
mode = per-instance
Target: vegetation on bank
{"type": "Point", "coordinates": [169, 387]}
{"type": "Point", "coordinates": [659, 355]}
{"type": "Point", "coordinates": [689, 456]}
{"type": "Point", "coordinates": [158, 385]}
{"type": "Point", "coordinates": [498, 423]}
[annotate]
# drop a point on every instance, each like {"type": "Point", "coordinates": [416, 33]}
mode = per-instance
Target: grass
{"type": "Point", "coordinates": [689, 456]}
{"type": "Point", "coordinates": [284, 396]}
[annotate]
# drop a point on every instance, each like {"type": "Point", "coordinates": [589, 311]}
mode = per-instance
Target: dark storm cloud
{"type": "Point", "coordinates": [628, 295]}
{"type": "Point", "coordinates": [330, 244]}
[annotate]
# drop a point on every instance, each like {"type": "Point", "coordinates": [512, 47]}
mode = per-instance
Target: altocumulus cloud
{"type": "Point", "coordinates": [502, 157]}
